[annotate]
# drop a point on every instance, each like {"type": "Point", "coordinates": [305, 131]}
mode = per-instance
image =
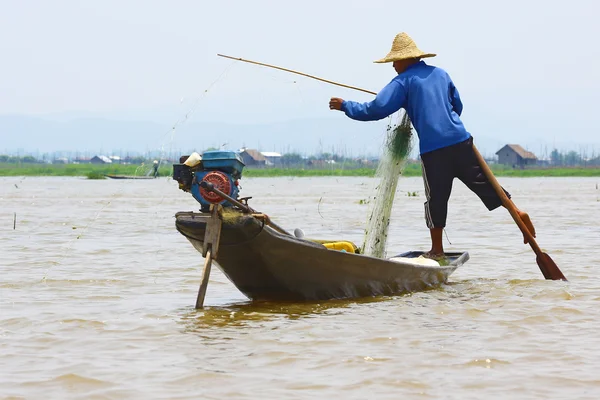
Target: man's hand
{"type": "Point", "coordinates": [335, 103]}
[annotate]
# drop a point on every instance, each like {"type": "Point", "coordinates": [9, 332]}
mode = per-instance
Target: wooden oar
{"type": "Point", "coordinates": [210, 249]}
{"type": "Point", "coordinates": [548, 267]}
{"type": "Point", "coordinates": [208, 257]}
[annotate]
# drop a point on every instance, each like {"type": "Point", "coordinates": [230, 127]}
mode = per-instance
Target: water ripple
{"type": "Point", "coordinates": [99, 304]}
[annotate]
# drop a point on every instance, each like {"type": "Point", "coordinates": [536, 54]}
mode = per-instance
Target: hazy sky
{"type": "Point", "coordinates": [525, 69]}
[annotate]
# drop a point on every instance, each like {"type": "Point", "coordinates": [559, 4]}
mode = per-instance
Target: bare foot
{"type": "Point", "coordinates": [527, 221]}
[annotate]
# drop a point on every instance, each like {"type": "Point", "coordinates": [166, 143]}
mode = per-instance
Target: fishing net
{"type": "Point", "coordinates": [398, 145]}
{"type": "Point", "coordinates": [231, 216]}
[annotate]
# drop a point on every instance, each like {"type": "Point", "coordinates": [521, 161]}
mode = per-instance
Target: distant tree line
{"type": "Point", "coordinates": [18, 159]}
{"type": "Point", "coordinates": [572, 159]}
{"type": "Point", "coordinates": [28, 159]}
{"type": "Point", "coordinates": [323, 160]}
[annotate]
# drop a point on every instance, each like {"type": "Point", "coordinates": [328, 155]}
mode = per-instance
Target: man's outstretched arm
{"type": "Point", "coordinates": [389, 100]}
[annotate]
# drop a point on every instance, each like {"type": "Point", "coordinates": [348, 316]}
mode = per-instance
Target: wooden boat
{"type": "Point", "coordinates": [129, 177]}
{"type": "Point", "coordinates": [265, 264]}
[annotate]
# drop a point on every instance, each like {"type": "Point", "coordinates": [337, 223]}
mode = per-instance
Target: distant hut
{"type": "Point", "coordinates": [515, 156]}
{"type": "Point", "coordinates": [271, 157]}
{"type": "Point", "coordinates": [100, 160]}
{"type": "Point", "coordinates": [316, 164]}
{"type": "Point", "coordinates": [253, 158]}
{"type": "Point", "coordinates": [81, 160]}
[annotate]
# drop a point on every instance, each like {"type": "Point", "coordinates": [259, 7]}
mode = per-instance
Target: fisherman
{"type": "Point", "coordinates": [433, 104]}
{"type": "Point", "coordinates": [155, 168]}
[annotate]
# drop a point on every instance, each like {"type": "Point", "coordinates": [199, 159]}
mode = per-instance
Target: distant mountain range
{"type": "Point", "coordinates": [95, 135]}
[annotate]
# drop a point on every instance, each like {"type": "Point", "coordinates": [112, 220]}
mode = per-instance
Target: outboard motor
{"type": "Point", "coordinates": [222, 169]}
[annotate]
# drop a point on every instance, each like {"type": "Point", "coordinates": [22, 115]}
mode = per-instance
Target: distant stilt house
{"type": "Point", "coordinates": [100, 160]}
{"type": "Point", "coordinates": [253, 158]}
{"type": "Point", "coordinates": [515, 156]}
{"type": "Point", "coordinates": [321, 163]}
{"type": "Point", "coordinates": [81, 160]}
{"type": "Point", "coordinates": [271, 157]}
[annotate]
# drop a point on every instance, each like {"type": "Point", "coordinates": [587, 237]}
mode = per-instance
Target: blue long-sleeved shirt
{"type": "Point", "coordinates": [429, 97]}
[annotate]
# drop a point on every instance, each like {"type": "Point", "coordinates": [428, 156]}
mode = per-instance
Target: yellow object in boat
{"type": "Point", "coordinates": [341, 246]}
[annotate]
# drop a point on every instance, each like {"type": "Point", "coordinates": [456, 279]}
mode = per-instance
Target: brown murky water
{"type": "Point", "coordinates": [97, 291]}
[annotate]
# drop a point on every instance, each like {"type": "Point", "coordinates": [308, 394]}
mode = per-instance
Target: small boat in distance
{"type": "Point", "coordinates": [151, 174]}
{"type": "Point", "coordinates": [129, 177]}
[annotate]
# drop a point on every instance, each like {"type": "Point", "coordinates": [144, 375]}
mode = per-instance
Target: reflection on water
{"type": "Point", "coordinates": [250, 313]}
{"type": "Point", "coordinates": [97, 292]}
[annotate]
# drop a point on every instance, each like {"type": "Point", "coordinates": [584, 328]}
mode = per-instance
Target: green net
{"type": "Point", "coordinates": [231, 216]}
{"type": "Point", "coordinates": [399, 139]}
{"type": "Point", "coordinates": [397, 148]}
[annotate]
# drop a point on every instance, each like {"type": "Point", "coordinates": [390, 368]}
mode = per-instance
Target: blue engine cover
{"type": "Point", "coordinates": [229, 162]}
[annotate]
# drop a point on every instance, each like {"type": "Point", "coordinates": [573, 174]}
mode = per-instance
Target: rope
{"type": "Point", "coordinates": [168, 138]}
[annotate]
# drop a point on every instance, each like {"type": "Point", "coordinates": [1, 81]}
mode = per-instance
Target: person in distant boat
{"type": "Point", "coordinates": [433, 104]}
{"type": "Point", "coordinates": [155, 168]}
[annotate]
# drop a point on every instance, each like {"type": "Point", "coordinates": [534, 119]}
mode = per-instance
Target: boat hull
{"type": "Point", "coordinates": [266, 265]}
{"type": "Point", "coordinates": [129, 177]}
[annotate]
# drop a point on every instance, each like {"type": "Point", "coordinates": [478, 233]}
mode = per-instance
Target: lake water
{"type": "Point", "coordinates": [97, 290]}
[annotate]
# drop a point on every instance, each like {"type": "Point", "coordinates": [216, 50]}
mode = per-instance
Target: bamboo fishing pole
{"type": "Point", "coordinates": [298, 73]}
{"type": "Point", "coordinates": [548, 267]}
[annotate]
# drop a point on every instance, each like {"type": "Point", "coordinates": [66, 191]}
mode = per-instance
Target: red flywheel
{"type": "Point", "coordinates": [220, 181]}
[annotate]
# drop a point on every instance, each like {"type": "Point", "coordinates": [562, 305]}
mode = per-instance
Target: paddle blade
{"type": "Point", "coordinates": [549, 267]}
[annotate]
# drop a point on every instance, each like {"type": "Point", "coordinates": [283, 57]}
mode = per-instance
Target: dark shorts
{"type": "Point", "coordinates": [440, 167]}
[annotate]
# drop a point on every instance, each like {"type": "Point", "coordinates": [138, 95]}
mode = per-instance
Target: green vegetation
{"type": "Point", "coordinates": [411, 169]}
{"type": "Point", "coordinates": [546, 172]}
{"type": "Point", "coordinates": [444, 262]}
{"type": "Point", "coordinates": [414, 169]}
{"type": "Point", "coordinates": [95, 175]}
{"type": "Point", "coordinates": [301, 172]}
{"type": "Point", "coordinates": [26, 169]}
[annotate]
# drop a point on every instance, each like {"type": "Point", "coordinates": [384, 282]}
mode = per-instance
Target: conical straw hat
{"type": "Point", "coordinates": [404, 48]}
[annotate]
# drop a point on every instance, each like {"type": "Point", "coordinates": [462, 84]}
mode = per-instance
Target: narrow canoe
{"type": "Point", "coordinates": [266, 265]}
{"type": "Point", "coordinates": [129, 177]}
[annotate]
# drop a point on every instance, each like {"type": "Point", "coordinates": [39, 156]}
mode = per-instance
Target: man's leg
{"type": "Point", "coordinates": [471, 174]}
{"type": "Point", "coordinates": [437, 245]}
{"type": "Point", "coordinates": [437, 178]}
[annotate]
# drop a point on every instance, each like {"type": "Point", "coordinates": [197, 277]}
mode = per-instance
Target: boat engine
{"type": "Point", "coordinates": [223, 169]}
